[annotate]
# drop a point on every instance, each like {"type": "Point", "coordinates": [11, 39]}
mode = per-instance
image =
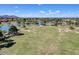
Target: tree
{"type": "Point", "coordinates": [13, 30]}
{"type": "Point", "coordinates": [24, 20]}
{"type": "Point", "coordinates": [56, 21]}
{"type": "Point", "coordinates": [77, 22]}
{"type": "Point", "coordinates": [19, 22]}
{"type": "Point", "coordinates": [1, 35]}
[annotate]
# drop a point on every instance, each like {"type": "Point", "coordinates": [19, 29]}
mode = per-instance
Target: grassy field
{"type": "Point", "coordinates": [44, 41]}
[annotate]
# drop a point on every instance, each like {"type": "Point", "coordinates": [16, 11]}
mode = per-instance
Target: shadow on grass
{"type": "Point", "coordinates": [7, 43]}
{"type": "Point", "coordinates": [19, 34]}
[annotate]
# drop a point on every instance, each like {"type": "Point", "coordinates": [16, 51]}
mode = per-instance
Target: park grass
{"type": "Point", "coordinates": [44, 41]}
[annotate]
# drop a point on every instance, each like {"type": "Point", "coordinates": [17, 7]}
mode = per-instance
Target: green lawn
{"type": "Point", "coordinates": [44, 40]}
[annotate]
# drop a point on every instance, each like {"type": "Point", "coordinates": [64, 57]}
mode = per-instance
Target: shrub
{"type": "Point", "coordinates": [71, 28]}
{"type": "Point", "coordinates": [1, 31]}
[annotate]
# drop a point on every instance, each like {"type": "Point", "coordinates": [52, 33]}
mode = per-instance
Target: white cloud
{"type": "Point", "coordinates": [57, 11]}
{"type": "Point", "coordinates": [53, 12]}
{"type": "Point", "coordinates": [42, 12]}
{"type": "Point", "coordinates": [50, 12]}
{"type": "Point", "coordinates": [16, 11]}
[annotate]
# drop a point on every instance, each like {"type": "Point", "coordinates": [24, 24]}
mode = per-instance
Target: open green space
{"type": "Point", "coordinates": [44, 41]}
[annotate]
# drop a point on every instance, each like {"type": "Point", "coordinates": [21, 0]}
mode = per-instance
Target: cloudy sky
{"type": "Point", "coordinates": [40, 10]}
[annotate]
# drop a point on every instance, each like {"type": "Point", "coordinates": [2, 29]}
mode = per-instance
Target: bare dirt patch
{"type": "Point", "coordinates": [64, 30]}
{"type": "Point", "coordinates": [25, 30]}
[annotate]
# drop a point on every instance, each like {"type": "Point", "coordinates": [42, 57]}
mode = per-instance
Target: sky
{"type": "Point", "coordinates": [40, 10]}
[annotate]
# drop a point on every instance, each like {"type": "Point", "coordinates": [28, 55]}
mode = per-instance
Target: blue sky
{"type": "Point", "coordinates": [40, 10]}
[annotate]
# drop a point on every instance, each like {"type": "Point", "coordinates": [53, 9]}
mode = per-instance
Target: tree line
{"type": "Point", "coordinates": [45, 21]}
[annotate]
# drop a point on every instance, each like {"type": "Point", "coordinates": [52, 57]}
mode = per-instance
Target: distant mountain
{"type": "Point", "coordinates": [8, 16]}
